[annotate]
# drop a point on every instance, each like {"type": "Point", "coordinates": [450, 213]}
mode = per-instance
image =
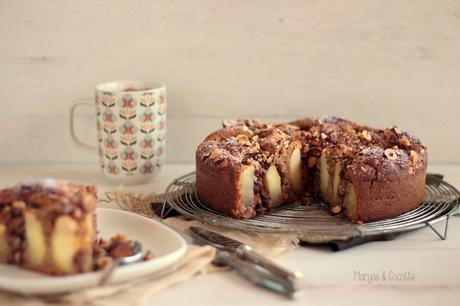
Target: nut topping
{"type": "Point", "coordinates": [77, 214]}
{"type": "Point", "coordinates": [413, 157]}
{"type": "Point", "coordinates": [336, 209]}
{"type": "Point", "coordinates": [366, 135]}
{"type": "Point", "coordinates": [19, 205]}
{"type": "Point", "coordinates": [403, 141]}
{"type": "Point", "coordinates": [391, 154]}
{"type": "Point", "coordinates": [270, 159]}
{"type": "Point", "coordinates": [312, 161]}
{"type": "Point", "coordinates": [215, 154]}
{"type": "Point", "coordinates": [242, 139]}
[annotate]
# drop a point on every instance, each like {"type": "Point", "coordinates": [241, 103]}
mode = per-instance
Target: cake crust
{"type": "Point", "coordinates": [363, 173]}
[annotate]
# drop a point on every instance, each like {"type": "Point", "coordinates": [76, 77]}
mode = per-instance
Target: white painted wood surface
{"type": "Point", "coordinates": [378, 62]}
{"type": "Point", "coordinates": [329, 277]}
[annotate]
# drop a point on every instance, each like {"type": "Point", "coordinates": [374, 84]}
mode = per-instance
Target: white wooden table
{"type": "Point", "coordinates": [431, 266]}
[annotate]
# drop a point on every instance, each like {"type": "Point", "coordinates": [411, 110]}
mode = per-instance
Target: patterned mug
{"type": "Point", "coordinates": [131, 129]}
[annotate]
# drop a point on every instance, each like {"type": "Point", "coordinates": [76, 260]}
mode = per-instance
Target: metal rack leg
{"type": "Point", "coordinates": [443, 237]}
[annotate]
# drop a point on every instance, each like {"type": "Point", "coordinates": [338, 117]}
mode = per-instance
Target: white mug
{"type": "Point", "coordinates": [131, 129]}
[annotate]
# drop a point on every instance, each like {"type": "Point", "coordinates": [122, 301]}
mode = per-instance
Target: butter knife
{"type": "Point", "coordinates": [245, 252]}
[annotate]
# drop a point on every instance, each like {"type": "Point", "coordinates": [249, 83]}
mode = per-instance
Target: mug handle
{"type": "Point", "coordinates": [72, 126]}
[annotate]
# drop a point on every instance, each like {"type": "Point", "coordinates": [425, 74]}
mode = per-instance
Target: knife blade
{"type": "Point", "coordinates": [245, 252]}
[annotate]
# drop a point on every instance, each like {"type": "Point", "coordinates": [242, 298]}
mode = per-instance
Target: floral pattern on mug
{"type": "Point", "coordinates": [160, 152]}
{"type": "Point", "coordinates": [109, 119]}
{"type": "Point", "coordinates": [147, 168]}
{"type": "Point", "coordinates": [147, 145]}
{"type": "Point", "coordinates": [129, 154]}
{"type": "Point", "coordinates": [131, 131]}
{"type": "Point", "coordinates": [148, 99]}
{"type": "Point", "coordinates": [129, 157]}
{"type": "Point", "coordinates": [161, 133]}
{"type": "Point", "coordinates": [112, 168]}
{"type": "Point", "coordinates": [99, 137]}
{"type": "Point", "coordinates": [129, 166]}
{"type": "Point", "coordinates": [108, 100]}
{"type": "Point", "coordinates": [147, 127]}
{"type": "Point", "coordinates": [127, 106]}
{"type": "Point", "coordinates": [111, 146]}
{"type": "Point", "coordinates": [162, 108]}
{"type": "Point", "coordinates": [128, 133]}
{"type": "Point", "coordinates": [147, 116]}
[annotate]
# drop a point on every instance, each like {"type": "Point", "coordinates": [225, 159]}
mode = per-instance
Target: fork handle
{"type": "Point", "coordinates": [255, 275]}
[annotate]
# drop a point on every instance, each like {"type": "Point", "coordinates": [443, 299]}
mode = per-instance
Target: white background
{"type": "Point", "coordinates": [376, 62]}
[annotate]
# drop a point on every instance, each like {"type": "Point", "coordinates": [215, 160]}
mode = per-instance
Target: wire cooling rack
{"type": "Point", "coordinates": [313, 223]}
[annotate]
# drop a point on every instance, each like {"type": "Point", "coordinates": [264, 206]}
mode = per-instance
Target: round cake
{"type": "Point", "coordinates": [362, 173]}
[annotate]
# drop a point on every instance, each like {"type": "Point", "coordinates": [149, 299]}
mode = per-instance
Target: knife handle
{"type": "Point", "coordinates": [255, 275]}
{"type": "Point", "coordinates": [294, 278]}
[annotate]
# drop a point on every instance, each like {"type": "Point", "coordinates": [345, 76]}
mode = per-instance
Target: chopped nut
{"type": "Point", "coordinates": [394, 129]}
{"type": "Point", "coordinates": [148, 255]}
{"type": "Point", "coordinates": [77, 213]}
{"type": "Point", "coordinates": [215, 154]}
{"type": "Point", "coordinates": [270, 159]}
{"type": "Point", "coordinates": [102, 262]}
{"type": "Point", "coordinates": [19, 205]}
{"type": "Point", "coordinates": [366, 135]}
{"type": "Point", "coordinates": [242, 139]}
{"type": "Point", "coordinates": [224, 163]}
{"type": "Point", "coordinates": [323, 136]}
{"type": "Point", "coordinates": [227, 122]}
{"type": "Point", "coordinates": [118, 238]}
{"type": "Point", "coordinates": [312, 161]}
{"type": "Point", "coordinates": [363, 169]}
{"type": "Point", "coordinates": [413, 157]}
{"type": "Point", "coordinates": [103, 243]}
{"type": "Point", "coordinates": [336, 209]}
{"type": "Point", "coordinates": [391, 154]}
{"type": "Point", "coordinates": [404, 142]}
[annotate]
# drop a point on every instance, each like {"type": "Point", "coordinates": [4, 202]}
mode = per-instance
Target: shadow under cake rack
{"type": "Point", "coordinates": [313, 223]}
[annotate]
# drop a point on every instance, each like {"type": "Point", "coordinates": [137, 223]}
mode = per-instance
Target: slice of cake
{"type": "Point", "coordinates": [48, 226]}
{"type": "Point", "coordinates": [249, 166]}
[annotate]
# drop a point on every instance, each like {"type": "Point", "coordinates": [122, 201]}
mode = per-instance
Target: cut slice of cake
{"type": "Point", "coordinates": [48, 226]}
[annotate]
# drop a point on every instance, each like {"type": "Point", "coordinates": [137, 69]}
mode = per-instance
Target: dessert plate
{"type": "Point", "coordinates": [167, 246]}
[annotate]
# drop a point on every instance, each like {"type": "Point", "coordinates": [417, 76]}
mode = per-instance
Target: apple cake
{"type": "Point", "coordinates": [363, 173]}
{"type": "Point", "coordinates": [48, 226]}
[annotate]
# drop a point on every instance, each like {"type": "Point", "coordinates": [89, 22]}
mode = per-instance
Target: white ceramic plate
{"type": "Point", "coordinates": [168, 248]}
